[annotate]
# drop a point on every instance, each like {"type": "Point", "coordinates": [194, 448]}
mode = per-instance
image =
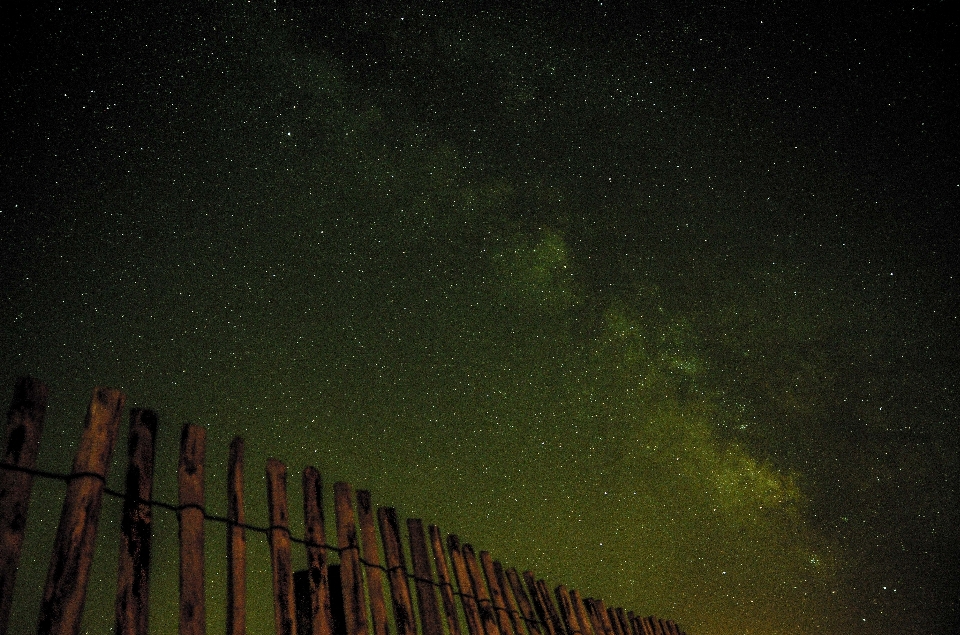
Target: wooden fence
{"type": "Point", "coordinates": [325, 599]}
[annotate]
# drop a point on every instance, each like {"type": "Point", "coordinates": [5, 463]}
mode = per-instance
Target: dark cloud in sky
{"type": "Point", "coordinates": [659, 303]}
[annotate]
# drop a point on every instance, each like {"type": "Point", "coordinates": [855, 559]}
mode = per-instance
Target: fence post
{"type": "Point", "coordinates": [497, 603]}
{"type": "Point", "coordinates": [133, 571]}
{"type": "Point", "coordinates": [423, 578]}
{"type": "Point", "coordinates": [24, 428]}
{"type": "Point", "coordinates": [351, 576]}
{"type": "Point", "coordinates": [283, 602]}
{"type": "Point", "coordinates": [321, 616]}
{"type": "Point", "coordinates": [487, 617]}
{"type": "Point", "coordinates": [371, 559]}
{"type": "Point", "coordinates": [396, 571]}
{"type": "Point", "coordinates": [443, 576]}
{"type": "Point", "coordinates": [193, 617]}
{"type": "Point", "coordinates": [66, 586]}
{"type": "Point", "coordinates": [236, 543]}
{"type": "Point", "coordinates": [567, 612]}
{"type": "Point", "coordinates": [510, 603]}
{"type": "Point", "coordinates": [544, 605]}
{"type": "Point", "coordinates": [580, 610]}
{"type": "Point", "coordinates": [526, 608]}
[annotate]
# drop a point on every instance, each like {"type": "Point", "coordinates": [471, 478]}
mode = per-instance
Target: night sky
{"type": "Point", "coordinates": [658, 302]}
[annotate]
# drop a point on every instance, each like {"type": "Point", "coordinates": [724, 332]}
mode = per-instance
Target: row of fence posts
{"type": "Point", "coordinates": [324, 599]}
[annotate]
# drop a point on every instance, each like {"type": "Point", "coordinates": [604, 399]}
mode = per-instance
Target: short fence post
{"type": "Point", "coordinates": [236, 543]}
{"type": "Point", "coordinates": [66, 586]}
{"type": "Point", "coordinates": [133, 571]}
{"type": "Point", "coordinates": [423, 579]}
{"type": "Point", "coordinates": [285, 622]}
{"type": "Point", "coordinates": [321, 616]}
{"type": "Point", "coordinates": [351, 576]}
{"type": "Point", "coordinates": [193, 617]}
{"type": "Point", "coordinates": [396, 571]}
{"type": "Point", "coordinates": [24, 428]}
{"type": "Point", "coordinates": [443, 576]}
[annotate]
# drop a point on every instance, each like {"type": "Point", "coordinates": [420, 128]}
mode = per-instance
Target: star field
{"type": "Point", "coordinates": [658, 303]}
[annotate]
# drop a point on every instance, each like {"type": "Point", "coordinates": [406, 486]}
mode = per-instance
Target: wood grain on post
{"type": "Point", "coordinates": [321, 616]}
{"type": "Point", "coordinates": [539, 607]}
{"type": "Point", "coordinates": [66, 585]}
{"type": "Point", "coordinates": [593, 615]}
{"type": "Point", "coordinates": [351, 576]}
{"type": "Point", "coordinates": [497, 603]}
{"type": "Point", "coordinates": [443, 576]}
{"type": "Point", "coordinates": [611, 616]}
{"type": "Point", "coordinates": [632, 622]}
{"type": "Point", "coordinates": [567, 612]}
{"type": "Point", "coordinates": [133, 571]}
{"type": "Point", "coordinates": [24, 428]}
{"type": "Point", "coordinates": [487, 616]}
{"type": "Point", "coordinates": [672, 627]}
{"type": "Point", "coordinates": [523, 601]}
{"type": "Point", "coordinates": [622, 618]}
{"type": "Point", "coordinates": [284, 610]}
{"type": "Point", "coordinates": [236, 543]}
{"type": "Point", "coordinates": [193, 616]}
{"type": "Point", "coordinates": [550, 607]}
{"type": "Point", "coordinates": [371, 557]}
{"type": "Point", "coordinates": [580, 609]}
{"type": "Point", "coordinates": [608, 625]}
{"type": "Point", "coordinates": [396, 571]}
{"type": "Point", "coordinates": [468, 599]}
{"type": "Point", "coordinates": [512, 608]}
{"type": "Point", "coordinates": [423, 579]}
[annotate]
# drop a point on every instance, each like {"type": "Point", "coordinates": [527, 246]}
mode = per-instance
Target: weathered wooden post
{"type": "Point", "coordinates": [24, 428]}
{"type": "Point", "coordinates": [468, 598]}
{"type": "Point", "coordinates": [321, 616]}
{"type": "Point", "coordinates": [396, 571]}
{"type": "Point", "coordinates": [567, 612]}
{"type": "Point", "coordinates": [526, 608]}
{"type": "Point", "coordinates": [236, 543]}
{"type": "Point", "coordinates": [284, 611]}
{"type": "Point", "coordinates": [371, 559]}
{"type": "Point", "coordinates": [193, 617]}
{"type": "Point", "coordinates": [510, 603]}
{"type": "Point", "coordinates": [351, 576]}
{"type": "Point", "coordinates": [133, 571]}
{"type": "Point", "coordinates": [66, 586]}
{"type": "Point", "coordinates": [443, 575]}
{"type": "Point", "coordinates": [423, 579]}
{"type": "Point", "coordinates": [580, 610]}
{"type": "Point", "coordinates": [497, 603]}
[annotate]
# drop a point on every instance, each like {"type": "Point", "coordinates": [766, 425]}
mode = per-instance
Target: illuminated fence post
{"type": "Point", "coordinates": [66, 587]}
{"type": "Point", "coordinates": [396, 571]}
{"type": "Point", "coordinates": [133, 575]}
{"type": "Point", "coordinates": [443, 576]}
{"type": "Point", "coordinates": [280, 559]}
{"type": "Point", "coordinates": [423, 579]}
{"type": "Point", "coordinates": [24, 428]}
{"type": "Point", "coordinates": [351, 577]}
{"type": "Point", "coordinates": [236, 543]}
{"type": "Point", "coordinates": [320, 615]}
{"type": "Point", "coordinates": [371, 560]}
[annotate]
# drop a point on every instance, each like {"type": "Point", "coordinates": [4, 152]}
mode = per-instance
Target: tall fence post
{"type": "Point", "coordinates": [321, 616]}
{"type": "Point", "coordinates": [443, 576]}
{"type": "Point", "coordinates": [193, 617]}
{"type": "Point", "coordinates": [351, 576]}
{"type": "Point", "coordinates": [24, 428]}
{"type": "Point", "coordinates": [396, 571]}
{"type": "Point", "coordinates": [133, 571]}
{"type": "Point", "coordinates": [511, 607]}
{"type": "Point", "coordinates": [371, 560]}
{"type": "Point", "coordinates": [236, 543]}
{"type": "Point", "coordinates": [526, 608]}
{"type": "Point", "coordinates": [423, 579]}
{"type": "Point", "coordinates": [468, 599]}
{"type": "Point", "coordinates": [497, 603]}
{"type": "Point", "coordinates": [283, 601]}
{"type": "Point", "coordinates": [66, 588]}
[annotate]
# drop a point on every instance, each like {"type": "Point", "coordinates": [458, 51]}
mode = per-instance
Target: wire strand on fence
{"type": "Point", "coordinates": [66, 478]}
